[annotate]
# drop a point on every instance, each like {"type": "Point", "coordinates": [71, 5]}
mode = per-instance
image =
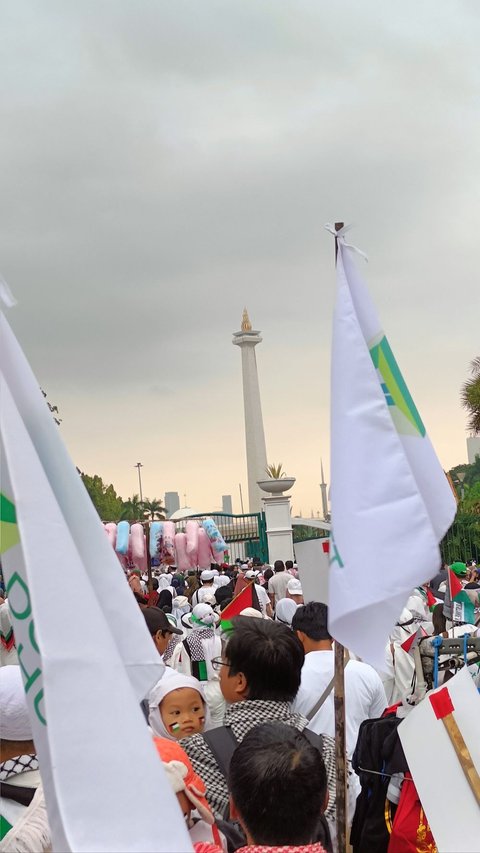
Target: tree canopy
{"type": "Point", "coordinates": [470, 396]}
{"type": "Point", "coordinates": [108, 504]}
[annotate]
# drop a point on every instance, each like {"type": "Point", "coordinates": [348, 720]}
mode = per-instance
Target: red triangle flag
{"type": "Point", "coordinates": [412, 642]}
{"type": "Point", "coordinates": [431, 600]}
{"type": "Point", "coordinates": [455, 585]}
{"type": "Point", "coordinates": [246, 598]}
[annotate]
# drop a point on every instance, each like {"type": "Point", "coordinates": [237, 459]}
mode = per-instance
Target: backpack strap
{"type": "Point", "coordinates": [222, 744]}
{"type": "Point", "coordinates": [315, 740]}
{"type": "Point", "coordinates": [320, 702]}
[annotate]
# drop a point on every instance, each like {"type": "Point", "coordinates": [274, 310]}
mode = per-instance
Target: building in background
{"type": "Point", "coordinates": [172, 503]}
{"type": "Point", "coordinates": [473, 448]}
{"type": "Point", "coordinates": [247, 339]}
{"type": "Point", "coordinates": [227, 504]}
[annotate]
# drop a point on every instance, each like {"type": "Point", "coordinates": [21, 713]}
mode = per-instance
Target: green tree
{"type": "Point", "coordinates": [108, 504]}
{"type": "Point", "coordinates": [470, 396]}
{"type": "Point", "coordinates": [153, 509]}
{"type": "Point", "coordinates": [132, 509]}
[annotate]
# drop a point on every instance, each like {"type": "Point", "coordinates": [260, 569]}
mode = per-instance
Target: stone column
{"type": "Point", "coordinates": [279, 528]}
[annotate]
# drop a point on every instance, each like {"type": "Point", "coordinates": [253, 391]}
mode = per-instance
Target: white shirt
{"type": "Point", "coordinates": [263, 598]}
{"type": "Point", "coordinates": [277, 585]}
{"type": "Point", "coordinates": [364, 695]}
{"type": "Point", "coordinates": [199, 595]}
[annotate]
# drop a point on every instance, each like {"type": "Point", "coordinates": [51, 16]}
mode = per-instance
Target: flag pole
{"type": "Point", "coordinates": [339, 703]}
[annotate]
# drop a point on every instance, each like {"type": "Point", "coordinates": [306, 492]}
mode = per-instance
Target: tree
{"type": "Point", "coordinates": [104, 497]}
{"type": "Point", "coordinates": [470, 396]}
{"type": "Point", "coordinates": [132, 509]}
{"type": "Point", "coordinates": [153, 509]}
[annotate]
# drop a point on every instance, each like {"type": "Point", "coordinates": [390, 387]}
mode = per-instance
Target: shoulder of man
{"type": "Point", "coordinates": [204, 763]}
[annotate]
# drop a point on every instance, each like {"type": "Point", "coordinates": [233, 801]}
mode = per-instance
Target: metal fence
{"type": "Point", "coordinates": [462, 541]}
{"type": "Point", "coordinates": [244, 534]}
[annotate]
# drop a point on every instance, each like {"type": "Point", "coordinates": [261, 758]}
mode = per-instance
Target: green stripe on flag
{"type": "Point", "coordinates": [384, 360]}
{"type": "Point", "coordinates": [202, 670]}
{"type": "Point", "coordinates": [226, 625]}
{"type": "Point", "coordinates": [7, 510]}
{"type": "Point", "coordinates": [5, 827]}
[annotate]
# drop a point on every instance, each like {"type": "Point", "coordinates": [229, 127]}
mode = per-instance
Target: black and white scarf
{"type": "Point", "coordinates": [17, 765]}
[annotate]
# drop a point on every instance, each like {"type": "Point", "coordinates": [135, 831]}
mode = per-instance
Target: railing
{"type": "Point", "coordinates": [245, 534]}
{"type": "Point", "coordinates": [462, 542]}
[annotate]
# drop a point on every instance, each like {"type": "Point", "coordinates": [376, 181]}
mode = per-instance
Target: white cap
{"type": "Point", "coordinates": [244, 566]}
{"type": "Point", "coordinates": [15, 722]}
{"type": "Point", "coordinates": [207, 575]}
{"type": "Point", "coordinates": [294, 587]}
{"type": "Point", "coordinates": [251, 574]}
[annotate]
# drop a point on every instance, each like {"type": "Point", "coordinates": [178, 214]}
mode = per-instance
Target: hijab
{"type": "Point", "coordinates": [166, 685]}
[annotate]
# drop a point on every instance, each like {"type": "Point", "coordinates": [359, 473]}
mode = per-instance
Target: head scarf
{"type": "Point", "coordinates": [15, 721]}
{"type": "Point", "coordinates": [162, 688]}
{"type": "Point", "coordinates": [284, 611]}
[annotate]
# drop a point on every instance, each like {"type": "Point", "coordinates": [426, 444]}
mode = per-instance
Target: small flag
{"type": "Point", "coordinates": [391, 502]}
{"type": "Point", "coordinates": [463, 609]}
{"type": "Point", "coordinates": [246, 598]}
{"type": "Point", "coordinates": [431, 600]}
{"type": "Point", "coordinates": [412, 642]}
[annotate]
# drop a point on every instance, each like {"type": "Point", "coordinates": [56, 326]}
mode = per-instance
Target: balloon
{"type": "Point", "coordinates": [204, 556]}
{"type": "Point", "coordinates": [183, 563]}
{"type": "Point", "coordinates": [111, 529]}
{"type": "Point", "coordinates": [123, 531]}
{"type": "Point", "coordinates": [191, 530]}
{"type": "Point", "coordinates": [218, 543]}
{"type": "Point", "coordinates": [156, 531]}
{"type": "Point", "coordinates": [138, 542]}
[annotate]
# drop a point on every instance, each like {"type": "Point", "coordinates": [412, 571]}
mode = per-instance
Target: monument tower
{"type": "Point", "coordinates": [247, 339]}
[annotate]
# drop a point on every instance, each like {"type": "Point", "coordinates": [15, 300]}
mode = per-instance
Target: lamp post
{"type": "Point", "coordinates": [138, 466]}
{"type": "Point", "coordinates": [460, 478]}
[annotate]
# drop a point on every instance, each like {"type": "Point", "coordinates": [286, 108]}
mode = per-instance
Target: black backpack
{"type": "Point", "coordinates": [222, 744]}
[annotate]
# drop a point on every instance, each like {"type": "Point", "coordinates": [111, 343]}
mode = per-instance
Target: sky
{"type": "Point", "coordinates": [164, 164]}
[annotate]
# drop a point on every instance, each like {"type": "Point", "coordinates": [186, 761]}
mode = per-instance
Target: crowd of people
{"type": "Point", "coordinates": [243, 718]}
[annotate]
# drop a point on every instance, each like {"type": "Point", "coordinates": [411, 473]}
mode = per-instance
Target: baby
{"type": "Point", "coordinates": [177, 707]}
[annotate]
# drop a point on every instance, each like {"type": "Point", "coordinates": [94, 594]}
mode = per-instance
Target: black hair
{"type": "Point", "coordinates": [438, 619]}
{"type": "Point", "coordinates": [289, 564]}
{"type": "Point", "coordinates": [312, 620]}
{"type": "Point", "coordinates": [279, 566]}
{"type": "Point", "coordinates": [155, 584]}
{"type": "Point", "coordinates": [269, 655]}
{"type": "Point", "coordinates": [278, 784]}
{"type": "Point", "coordinates": [268, 573]}
{"type": "Point", "coordinates": [165, 599]}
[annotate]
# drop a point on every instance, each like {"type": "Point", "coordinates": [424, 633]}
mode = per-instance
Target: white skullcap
{"type": "Point", "coordinates": [14, 719]}
{"type": "Point", "coordinates": [207, 575]}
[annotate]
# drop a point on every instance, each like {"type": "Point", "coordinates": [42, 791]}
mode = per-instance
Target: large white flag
{"type": "Point", "coordinates": [83, 647]}
{"type": "Point", "coordinates": [391, 502]}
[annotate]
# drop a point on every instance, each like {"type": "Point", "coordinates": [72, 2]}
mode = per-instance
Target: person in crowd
{"type": "Point", "coordinates": [278, 790]}
{"type": "Point", "coordinates": [165, 577]}
{"type": "Point", "coordinates": [153, 596]}
{"type": "Point", "coordinates": [277, 585]}
{"type": "Point", "coordinates": [177, 707]}
{"type": "Point", "coordinates": [135, 582]}
{"type": "Point", "coordinates": [241, 582]}
{"type": "Point", "coordinates": [440, 578]}
{"type": "Point", "coordinates": [295, 591]}
{"type": "Point", "coordinates": [194, 655]}
{"type": "Point", "coordinates": [23, 815]}
{"type": "Point", "coordinates": [161, 630]}
{"type": "Point", "coordinates": [260, 672]}
{"type": "Point", "coordinates": [191, 795]}
{"type": "Point", "coordinates": [191, 584]}
{"type": "Point", "coordinates": [207, 588]}
{"type": "Point", "coordinates": [267, 574]}
{"type": "Point", "coordinates": [178, 582]}
{"type": "Point", "coordinates": [397, 675]}
{"type": "Point", "coordinates": [291, 568]}
{"type": "Point", "coordinates": [262, 595]}
{"type": "Point", "coordinates": [285, 610]}
{"type": "Point", "coordinates": [165, 600]}
{"type": "Point", "coordinates": [364, 692]}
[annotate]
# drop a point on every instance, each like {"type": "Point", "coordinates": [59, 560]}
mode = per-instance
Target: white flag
{"type": "Point", "coordinates": [105, 788]}
{"type": "Point", "coordinates": [391, 502]}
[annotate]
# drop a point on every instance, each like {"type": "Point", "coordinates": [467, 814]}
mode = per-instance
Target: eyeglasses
{"type": "Point", "coordinates": [217, 663]}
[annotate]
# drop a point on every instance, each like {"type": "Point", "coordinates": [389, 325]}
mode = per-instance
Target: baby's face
{"type": "Point", "coordinates": [183, 712]}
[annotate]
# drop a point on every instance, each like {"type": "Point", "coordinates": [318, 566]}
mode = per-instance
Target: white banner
{"type": "Point", "coordinates": [105, 787]}
{"type": "Point", "coordinates": [391, 502]}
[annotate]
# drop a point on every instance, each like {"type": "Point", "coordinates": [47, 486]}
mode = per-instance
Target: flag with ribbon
{"type": "Point", "coordinates": [391, 502]}
{"type": "Point", "coordinates": [462, 606]}
{"type": "Point", "coordinates": [85, 666]}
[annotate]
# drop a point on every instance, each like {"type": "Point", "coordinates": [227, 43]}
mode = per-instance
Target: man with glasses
{"type": "Point", "coordinates": [260, 672]}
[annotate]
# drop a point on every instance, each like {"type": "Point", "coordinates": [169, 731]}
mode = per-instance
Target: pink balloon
{"type": "Point", "coordinates": [204, 551]}
{"type": "Point", "coordinates": [183, 563]}
{"type": "Point", "coordinates": [167, 553]}
{"type": "Point", "coordinates": [111, 531]}
{"type": "Point", "coordinates": [138, 547]}
{"type": "Point", "coordinates": [191, 529]}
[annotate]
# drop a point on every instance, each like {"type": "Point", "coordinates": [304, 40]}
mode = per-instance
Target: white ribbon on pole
{"type": "Point", "coordinates": [341, 238]}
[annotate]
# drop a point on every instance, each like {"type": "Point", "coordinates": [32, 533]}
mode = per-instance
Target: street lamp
{"type": "Point", "coordinates": [138, 466]}
{"type": "Point", "coordinates": [460, 478]}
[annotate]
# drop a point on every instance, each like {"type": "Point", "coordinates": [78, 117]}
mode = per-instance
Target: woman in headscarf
{"type": "Point", "coordinates": [165, 601]}
{"type": "Point", "coordinates": [194, 656]}
{"type": "Point", "coordinates": [284, 611]}
{"type": "Point", "coordinates": [191, 584]}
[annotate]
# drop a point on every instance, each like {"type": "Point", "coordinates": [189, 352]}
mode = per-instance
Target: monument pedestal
{"type": "Point", "coordinates": [279, 528]}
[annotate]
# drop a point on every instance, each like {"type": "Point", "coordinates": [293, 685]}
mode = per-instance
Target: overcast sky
{"type": "Point", "coordinates": [164, 164]}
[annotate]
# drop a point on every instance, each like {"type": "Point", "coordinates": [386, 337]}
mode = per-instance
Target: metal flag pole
{"type": "Point", "coordinates": [339, 703]}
